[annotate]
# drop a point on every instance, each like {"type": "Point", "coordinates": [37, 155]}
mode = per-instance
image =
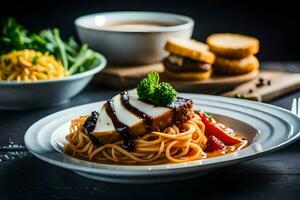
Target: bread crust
{"type": "Point", "coordinates": [232, 45]}
{"type": "Point", "coordinates": [188, 76]}
{"type": "Point", "coordinates": [228, 66]}
{"type": "Point", "coordinates": [191, 49]}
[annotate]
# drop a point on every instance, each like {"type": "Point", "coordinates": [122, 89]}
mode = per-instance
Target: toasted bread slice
{"type": "Point", "coordinates": [233, 45]}
{"type": "Point", "coordinates": [228, 66]}
{"type": "Point", "coordinates": [188, 76]}
{"type": "Point", "coordinates": [191, 49]}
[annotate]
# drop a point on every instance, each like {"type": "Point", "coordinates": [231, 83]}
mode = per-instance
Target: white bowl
{"type": "Point", "coordinates": [127, 46]}
{"type": "Point", "coordinates": [45, 93]}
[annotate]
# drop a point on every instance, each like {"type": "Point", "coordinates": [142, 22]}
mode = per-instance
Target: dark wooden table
{"type": "Point", "coordinates": [22, 176]}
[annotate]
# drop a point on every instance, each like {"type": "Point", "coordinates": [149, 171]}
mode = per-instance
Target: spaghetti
{"type": "Point", "coordinates": [178, 143]}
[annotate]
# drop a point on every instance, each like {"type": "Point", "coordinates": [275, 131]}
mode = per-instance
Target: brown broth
{"type": "Point", "coordinates": [137, 25]}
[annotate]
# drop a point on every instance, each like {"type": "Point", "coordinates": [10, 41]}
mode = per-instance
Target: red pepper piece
{"type": "Point", "coordinates": [213, 129]}
{"type": "Point", "coordinates": [213, 144]}
{"type": "Point", "coordinates": [190, 152]}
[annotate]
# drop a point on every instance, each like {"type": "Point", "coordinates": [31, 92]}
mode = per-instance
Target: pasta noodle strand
{"type": "Point", "coordinates": [176, 144]}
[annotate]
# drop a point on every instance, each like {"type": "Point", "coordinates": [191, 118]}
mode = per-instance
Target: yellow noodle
{"type": "Point", "coordinates": [30, 65]}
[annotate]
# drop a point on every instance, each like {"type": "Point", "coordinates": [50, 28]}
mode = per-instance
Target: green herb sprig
{"type": "Point", "coordinates": [149, 89]}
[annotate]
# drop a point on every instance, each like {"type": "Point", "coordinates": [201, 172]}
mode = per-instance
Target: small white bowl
{"type": "Point", "coordinates": [132, 46]}
{"type": "Point", "coordinates": [44, 93]}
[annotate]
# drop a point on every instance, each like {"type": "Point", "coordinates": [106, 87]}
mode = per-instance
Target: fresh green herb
{"type": "Point", "coordinates": [13, 36]}
{"type": "Point", "coordinates": [164, 94]}
{"type": "Point", "coordinates": [35, 59]}
{"type": "Point", "coordinates": [147, 86]}
{"type": "Point", "coordinates": [75, 58]}
{"type": "Point", "coordinates": [46, 71]}
{"type": "Point", "coordinates": [211, 118]}
{"type": "Point", "coordinates": [149, 89]}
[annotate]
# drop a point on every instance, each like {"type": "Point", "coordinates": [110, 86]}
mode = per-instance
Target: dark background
{"type": "Point", "coordinates": [274, 23]}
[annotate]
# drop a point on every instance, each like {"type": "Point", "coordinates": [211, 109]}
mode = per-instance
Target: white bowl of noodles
{"type": "Point", "coordinates": [45, 93]}
{"type": "Point", "coordinates": [41, 69]}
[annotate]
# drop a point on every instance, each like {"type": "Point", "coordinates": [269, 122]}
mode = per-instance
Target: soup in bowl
{"type": "Point", "coordinates": [132, 38]}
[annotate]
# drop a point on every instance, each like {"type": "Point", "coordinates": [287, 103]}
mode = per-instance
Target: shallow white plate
{"type": "Point", "coordinates": [267, 127]}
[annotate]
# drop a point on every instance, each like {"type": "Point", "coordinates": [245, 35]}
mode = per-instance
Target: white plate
{"type": "Point", "coordinates": [267, 127]}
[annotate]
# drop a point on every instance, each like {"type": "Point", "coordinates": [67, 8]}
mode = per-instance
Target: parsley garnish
{"type": "Point", "coordinates": [35, 59]}
{"type": "Point", "coordinates": [149, 89]}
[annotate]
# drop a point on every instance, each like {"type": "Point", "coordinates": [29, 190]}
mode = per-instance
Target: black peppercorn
{"type": "Point", "coordinates": [261, 80]}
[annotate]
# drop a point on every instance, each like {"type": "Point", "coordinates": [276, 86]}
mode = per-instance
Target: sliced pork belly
{"type": "Point", "coordinates": [161, 117]}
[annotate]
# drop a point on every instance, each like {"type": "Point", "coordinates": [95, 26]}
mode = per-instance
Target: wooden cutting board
{"type": "Point", "coordinates": [244, 86]}
{"type": "Point", "coordinates": [129, 77]}
{"type": "Point", "coordinates": [269, 85]}
{"type": "Point", "coordinates": [125, 77]}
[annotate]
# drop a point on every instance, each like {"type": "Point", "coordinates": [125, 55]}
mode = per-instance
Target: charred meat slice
{"type": "Point", "coordinates": [162, 117]}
